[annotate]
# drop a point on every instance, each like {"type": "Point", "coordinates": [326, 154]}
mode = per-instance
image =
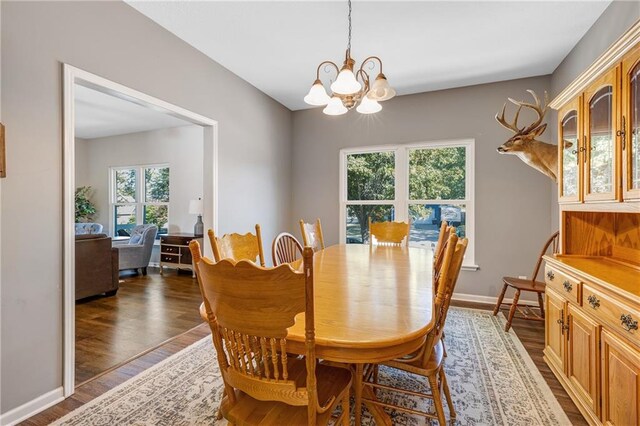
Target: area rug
{"type": "Point", "coordinates": [493, 381]}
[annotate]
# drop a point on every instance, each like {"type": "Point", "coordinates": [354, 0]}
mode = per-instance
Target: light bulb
{"type": "Point", "coordinates": [381, 91]}
{"type": "Point", "coordinates": [368, 106]}
{"type": "Point", "coordinates": [346, 83]}
{"type": "Point", "coordinates": [317, 96]}
{"type": "Point", "coordinates": [335, 107]}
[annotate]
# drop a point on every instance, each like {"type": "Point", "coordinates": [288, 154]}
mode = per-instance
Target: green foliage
{"type": "Point", "coordinates": [85, 209]}
{"type": "Point", "coordinates": [437, 174]}
{"type": "Point", "coordinates": [157, 184]}
{"type": "Point", "coordinates": [156, 215]}
{"type": "Point", "coordinates": [126, 186]}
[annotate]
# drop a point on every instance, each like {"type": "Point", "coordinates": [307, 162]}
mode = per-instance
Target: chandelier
{"type": "Point", "coordinates": [350, 88]}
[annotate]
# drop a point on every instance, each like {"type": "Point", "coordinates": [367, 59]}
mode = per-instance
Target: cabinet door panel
{"type": "Point", "coordinates": [569, 170]}
{"type": "Point", "coordinates": [600, 104]}
{"type": "Point", "coordinates": [631, 124]}
{"type": "Point", "coordinates": [620, 382]}
{"type": "Point", "coordinates": [583, 357]}
{"type": "Point", "coordinates": [553, 334]}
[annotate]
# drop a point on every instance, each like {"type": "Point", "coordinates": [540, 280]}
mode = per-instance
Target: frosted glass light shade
{"type": "Point", "coordinates": [195, 207]}
{"type": "Point", "coordinates": [368, 106]}
{"type": "Point", "coordinates": [335, 107]}
{"type": "Point", "coordinates": [346, 83]}
{"type": "Point", "coordinates": [381, 91]}
{"type": "Point", "coordinates": [317, 96]}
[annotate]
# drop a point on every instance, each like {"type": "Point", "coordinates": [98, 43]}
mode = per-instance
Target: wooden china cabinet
{"type": "Point", "coordinates": [592, 300]}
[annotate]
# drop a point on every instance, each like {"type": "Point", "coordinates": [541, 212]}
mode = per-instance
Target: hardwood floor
{"type": "Point", "coordinates": [147, 311]}
{"type": "Point", "coordinates": [530, 333]}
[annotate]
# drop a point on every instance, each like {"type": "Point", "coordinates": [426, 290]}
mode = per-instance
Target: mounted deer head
{"type": "Point", "coordinates": [540, 155]}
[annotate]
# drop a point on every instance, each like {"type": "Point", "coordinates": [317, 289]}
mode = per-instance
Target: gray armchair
{"type": "Point", "coordinates": [137, 253]}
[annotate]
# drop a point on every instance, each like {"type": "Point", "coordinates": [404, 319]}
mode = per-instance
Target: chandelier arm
{"type": "Point", "coordinates": [326, 64]}
{"type": "Point", "coordinates": [372, 59]}
{"type": "Point", "coordinates": [365, 79]}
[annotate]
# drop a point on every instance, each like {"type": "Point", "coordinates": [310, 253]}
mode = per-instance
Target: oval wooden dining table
{"type": "Point", "coordinates": [372, 304]}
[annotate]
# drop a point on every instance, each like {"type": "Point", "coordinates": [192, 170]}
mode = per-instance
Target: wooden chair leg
{"type": "Point", "coordinates": [437, 399]}
{"type": "Point", "coordinates": [358, 393]}
{"type": "Point", "coordinates": [447, 395]}
{"type": "Point", "coordinates": [346, 416]}
{"type": "Point", "coordinates": [541, 304]}
{"type": "Point", "coordinates": [500, 299]}
{"type": "Point", "coordinates": [512, 311]}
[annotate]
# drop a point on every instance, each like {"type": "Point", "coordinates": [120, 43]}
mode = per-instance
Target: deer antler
{"type": "Point", "coordinates": [510, 126]}
{"type": "Point", "coordinates": [541, 111]}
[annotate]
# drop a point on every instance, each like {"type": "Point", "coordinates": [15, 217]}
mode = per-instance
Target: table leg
{"type": "Point", "coordinates": [358, 393]}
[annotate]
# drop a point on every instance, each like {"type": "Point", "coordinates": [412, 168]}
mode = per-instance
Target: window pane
{"type": "Point", "coordinates": [437, 174]}
{"type": "Point", "coordinates": [602, 141]}
{"type": "Point", "coordinates": [371, 176]}
{"type": "Point", "coordinates": [156, 185]}
{"type": "Point", "coordinates": [426, 219]}
{"type": "Point", "coordinates": [126, 186]}
{"type": "Point", "coordinates": [125, 219]}
{"type": "Point", "coordinates": [358, 220]}
{"type": "Point", "coordinates": [157, 215]}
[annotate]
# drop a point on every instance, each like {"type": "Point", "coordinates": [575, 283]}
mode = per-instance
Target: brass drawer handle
{"type": "Point", "coordinates": [567, 286]}
{"type": "Point", "coordinates": [628, 323]}
{"type": "Point", "coordinates": [550, 275]}
{"type": "Point", "coordinates": [593, 301]}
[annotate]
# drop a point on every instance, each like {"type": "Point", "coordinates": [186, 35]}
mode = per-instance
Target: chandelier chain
{"type": "Point", "coordinates": [349, 41]}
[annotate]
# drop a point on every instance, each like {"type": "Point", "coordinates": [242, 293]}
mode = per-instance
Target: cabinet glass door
{"type": "Point", "coordinates": [601, 141]}
{"type": "Point", "coordinates": [569, 141]}
{"type": "Point", "coordinates": [631, 124]}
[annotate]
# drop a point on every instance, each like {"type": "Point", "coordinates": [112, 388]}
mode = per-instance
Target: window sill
{"type": "Point", "coordinates": [470, 267]}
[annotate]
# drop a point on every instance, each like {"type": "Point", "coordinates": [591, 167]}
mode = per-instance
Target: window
{"type": "Point", "coordinates": [139, 195]}
{"type": "Point", "coordinates": [424, 183]}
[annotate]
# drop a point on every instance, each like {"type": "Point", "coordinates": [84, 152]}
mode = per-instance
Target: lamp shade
{"type": "Point", "coordinates": [317, 96]}
{"type": "Point", "coordinates": [368, 106]}
{"type": "Point", "coordinates": [346, 83]}
{"type": "Point", "coordinates": [195, 207]}
{"type": "Point", "coordinates": [381, 91]}
{"type": "Point", "coordinates": [335, 107]}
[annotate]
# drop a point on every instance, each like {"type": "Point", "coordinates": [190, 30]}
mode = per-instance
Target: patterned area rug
{"type": "Point", "coordinates": [493, 381]}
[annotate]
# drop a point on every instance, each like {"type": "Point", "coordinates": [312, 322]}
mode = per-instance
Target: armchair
{"type": "Point", "coordinates": [96, 266]}
{"type": "Point", "coordinates": [137, 253]}
{"type": "Point", "coordinates": [88, 228]}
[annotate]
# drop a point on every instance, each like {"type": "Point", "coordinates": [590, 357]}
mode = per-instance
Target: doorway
{"type": "Point", "coordinates": [119, 214]}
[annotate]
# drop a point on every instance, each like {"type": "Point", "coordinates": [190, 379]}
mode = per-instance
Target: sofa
{"type": "Point", "coordinates": [88, 228]}
{"type": "Point", "coordinates": [96, 266]}
{"type": "Point", "coordinates": [137, 253]}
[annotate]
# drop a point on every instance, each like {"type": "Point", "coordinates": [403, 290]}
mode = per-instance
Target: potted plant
{"type": "Point", "coordinates": [85, 209]}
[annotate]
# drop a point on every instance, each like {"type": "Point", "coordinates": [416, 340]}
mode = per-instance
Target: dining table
{"type": "Point", "coordinates": [372, 303]}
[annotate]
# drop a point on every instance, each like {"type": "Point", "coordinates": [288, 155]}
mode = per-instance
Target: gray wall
{"type": "Point", "coordinates": [112, 40]}
{"type": "Point", "coordinates": [512, 199]}
{"type": "Point", "coordinates": [615, 21]}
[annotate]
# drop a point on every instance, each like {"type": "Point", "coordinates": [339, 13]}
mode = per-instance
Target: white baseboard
{"type": "Point", "coordinates": [32, 407]}
{"type": "Point", "coordinates": [488, 299]}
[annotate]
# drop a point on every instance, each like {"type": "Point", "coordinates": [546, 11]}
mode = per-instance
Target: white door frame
{"type": "Point", "coordinates": [73, 76]}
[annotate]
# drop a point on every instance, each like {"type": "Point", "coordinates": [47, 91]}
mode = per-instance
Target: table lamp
{"type": "Point", "coordinates": [195, 207]}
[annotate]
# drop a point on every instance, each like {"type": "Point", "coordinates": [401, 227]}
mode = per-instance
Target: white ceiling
{"type": "Point", "coordinates": [424, 45]}
{"type": "Point", "coordinates": [99, 115]}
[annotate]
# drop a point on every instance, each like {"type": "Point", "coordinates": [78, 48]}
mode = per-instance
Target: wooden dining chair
{"type": "Point", "coordinates": [531, 285]}
{"type": "Point", "coordinates": [428, 360]}
{"type": "Point", "coordinates": [238, 247]}
{"type": "Point", "coordinates": [389, 233]}
{"type": "Point", "coordinates": [312, 234]}
{"type": "Point", "coordinates": [285, 249]}
{"type": "Point", "coordinates": [262, 384]}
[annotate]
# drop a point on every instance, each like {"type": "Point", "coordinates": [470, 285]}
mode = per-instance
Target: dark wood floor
{"type": "Point", "coordinates": [146, 311]}
{"type": "Point", "coordinates": [530, 333]}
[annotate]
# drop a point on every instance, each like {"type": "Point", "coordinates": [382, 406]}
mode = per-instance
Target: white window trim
{"type": "Point", "coordinates": [140, 188]}
{"type": "Point", "coordinates": [402, 202]}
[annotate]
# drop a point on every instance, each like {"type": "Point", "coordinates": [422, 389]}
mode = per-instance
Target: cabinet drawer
{"type": "Point", "coordinates": [616, 314]}
{"type": "Point", "coordinates": [170, 258]}
{"type": "Point", "coordinates": [564, 284]}
{"type": "Point", "coordinates": [170, 249]}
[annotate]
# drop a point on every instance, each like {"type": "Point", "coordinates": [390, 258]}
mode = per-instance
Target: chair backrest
{"type": "Point", "coordinates": [552, 243]}
{"type": "Point", "coordinates": [445, 280]}
{"type": "Point", "coordinates": [312, 234]}
{"type": "Point", "coordinates": [88, 228]}
{"type": "Point", "coordinates": [250, 309]}
{"type": "Point", "coordinates": [389, 233]}
{"type": "Point", "coordinates": [238, 247]}
{"type": "Point", "coordinates": [443, 236]}
{"type": "Point", "coordinates": [285, 249]}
